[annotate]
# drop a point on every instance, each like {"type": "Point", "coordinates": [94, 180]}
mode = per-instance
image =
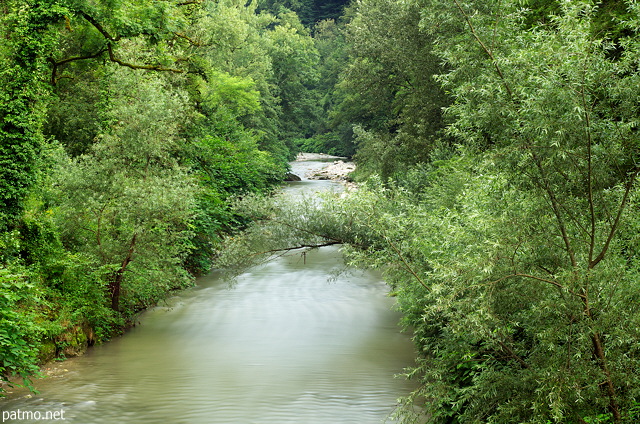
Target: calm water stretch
{"type": "Point", "coordinates": [288, 343]}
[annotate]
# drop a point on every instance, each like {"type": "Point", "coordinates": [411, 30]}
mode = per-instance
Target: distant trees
{"type": "Point", "coordinates": [309, 11]}
{"type": "Point", "coordinates": [390, 85]}
{"type": "Point", "coordinates": [379, 94]}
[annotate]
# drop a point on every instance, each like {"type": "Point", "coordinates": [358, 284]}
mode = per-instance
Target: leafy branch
{"type": "Point", "coordinates": [484, 47]}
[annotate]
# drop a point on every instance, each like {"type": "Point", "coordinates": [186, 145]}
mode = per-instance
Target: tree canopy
{"type": "Point", "coordinates": [126, 128]}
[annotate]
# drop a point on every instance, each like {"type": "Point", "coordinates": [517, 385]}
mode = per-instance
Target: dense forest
{"type": "Point", "coordinates": [497, 146]}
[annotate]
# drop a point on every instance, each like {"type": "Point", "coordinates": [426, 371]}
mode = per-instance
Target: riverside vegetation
{"type": "Point", "coordinates": [497, 147]}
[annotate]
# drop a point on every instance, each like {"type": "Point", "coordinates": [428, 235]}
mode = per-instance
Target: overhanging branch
{"type": "Point", "coordinates": [99, 27]}
{"type": "Point", "coordinates": [111, 40]}
{"type": "Point", "coordinates": [301, 246]}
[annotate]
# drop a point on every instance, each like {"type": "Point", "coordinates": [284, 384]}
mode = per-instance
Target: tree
{"type": "Point", "coordinates": [26, 29]}
{"type": "Point", "coordinates": [129, 202]}
{"type": "Point", "coordinates": [310, 11]}
{"type": "Point", "coordinates": [391, 94]}
{"type": "Point", "coordinates": [331, 135]}
{"type": "Point", "coordinates": [125, 129]}
{"type": "Point", "coordinates": [295, 60]}
{"type": "Point", "coordinates": [564, 131]}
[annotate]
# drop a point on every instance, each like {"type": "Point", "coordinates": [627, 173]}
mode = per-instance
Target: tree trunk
{"type": "Point", "coordinates": [116, 279]}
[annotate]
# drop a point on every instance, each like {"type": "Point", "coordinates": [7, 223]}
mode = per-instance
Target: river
{"type": "Point", "coordinates": [293, 341]}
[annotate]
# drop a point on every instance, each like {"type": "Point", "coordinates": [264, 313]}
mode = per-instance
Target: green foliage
{"type": "Point", "coordinates": [127, 127]}
{"type": "Point", "coordinates": [73, 119]}
{"type": "Point", "coordinates": [329, 143]}
{"type": "Point", "coordinates": [496, 340]}
{"type": "Point", "coordinates": [333, 134]}
{"type": "Point", "coordinates": [23, 97]}
{"type": "Point", "coordinates": [309, 11]}
{"type": "Point", "coordinates": [235, 167]}
{"type": "Point", "coordinates": [227, 165]}
{"type": "Point", "coordinates": [389, 88]}
{"type": "Point", "coordinates": [18, 329]}
{"type": "Point", "coordinates": [295, 60]}
{"type": "Point", "coordinates": [129, 200]}
{"type": "Point", "coordinates": [235, 94]}
{"type": "Point", "coordinates": [45, 290]}
{"type": "Point", "coordinates": [513, 255]}
{"type": "Point", "coordinates": [277, 55]}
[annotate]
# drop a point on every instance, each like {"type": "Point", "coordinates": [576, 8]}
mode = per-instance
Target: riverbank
{"type": "Point", "coordinates": [328, 342]}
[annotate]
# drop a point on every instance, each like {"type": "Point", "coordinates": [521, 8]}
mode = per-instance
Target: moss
{"type": "Point", "coordinates": [74, 340]}
{"type": "Point", "coordinates": [47, 351]}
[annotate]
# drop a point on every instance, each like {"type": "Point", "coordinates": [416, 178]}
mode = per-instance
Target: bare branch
{"type": "Point", "coordinates": [592, 214]}
{"type": "Point", "coordinates": [556, 210]}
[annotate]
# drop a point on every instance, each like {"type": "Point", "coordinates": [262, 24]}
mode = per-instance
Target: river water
{"type": "Point", "coordinates": [293, 341]}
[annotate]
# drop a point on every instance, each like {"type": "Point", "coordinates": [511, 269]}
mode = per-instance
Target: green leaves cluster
{"type": "Point", "coordinates": [23, 99]}
{"type": "Point", "coordinates": [128, 200]}
{"type": "Point", "coordinates": [18, 336]}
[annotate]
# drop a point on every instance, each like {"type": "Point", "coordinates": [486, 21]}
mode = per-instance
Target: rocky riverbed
{"type": "Point", "coordinates": [337, 170]}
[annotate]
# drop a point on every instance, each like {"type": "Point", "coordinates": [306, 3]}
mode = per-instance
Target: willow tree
{"type": "Point", "coordinates": [544, 317]}
{"type": "Point", "coordinates": [128, 203]}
